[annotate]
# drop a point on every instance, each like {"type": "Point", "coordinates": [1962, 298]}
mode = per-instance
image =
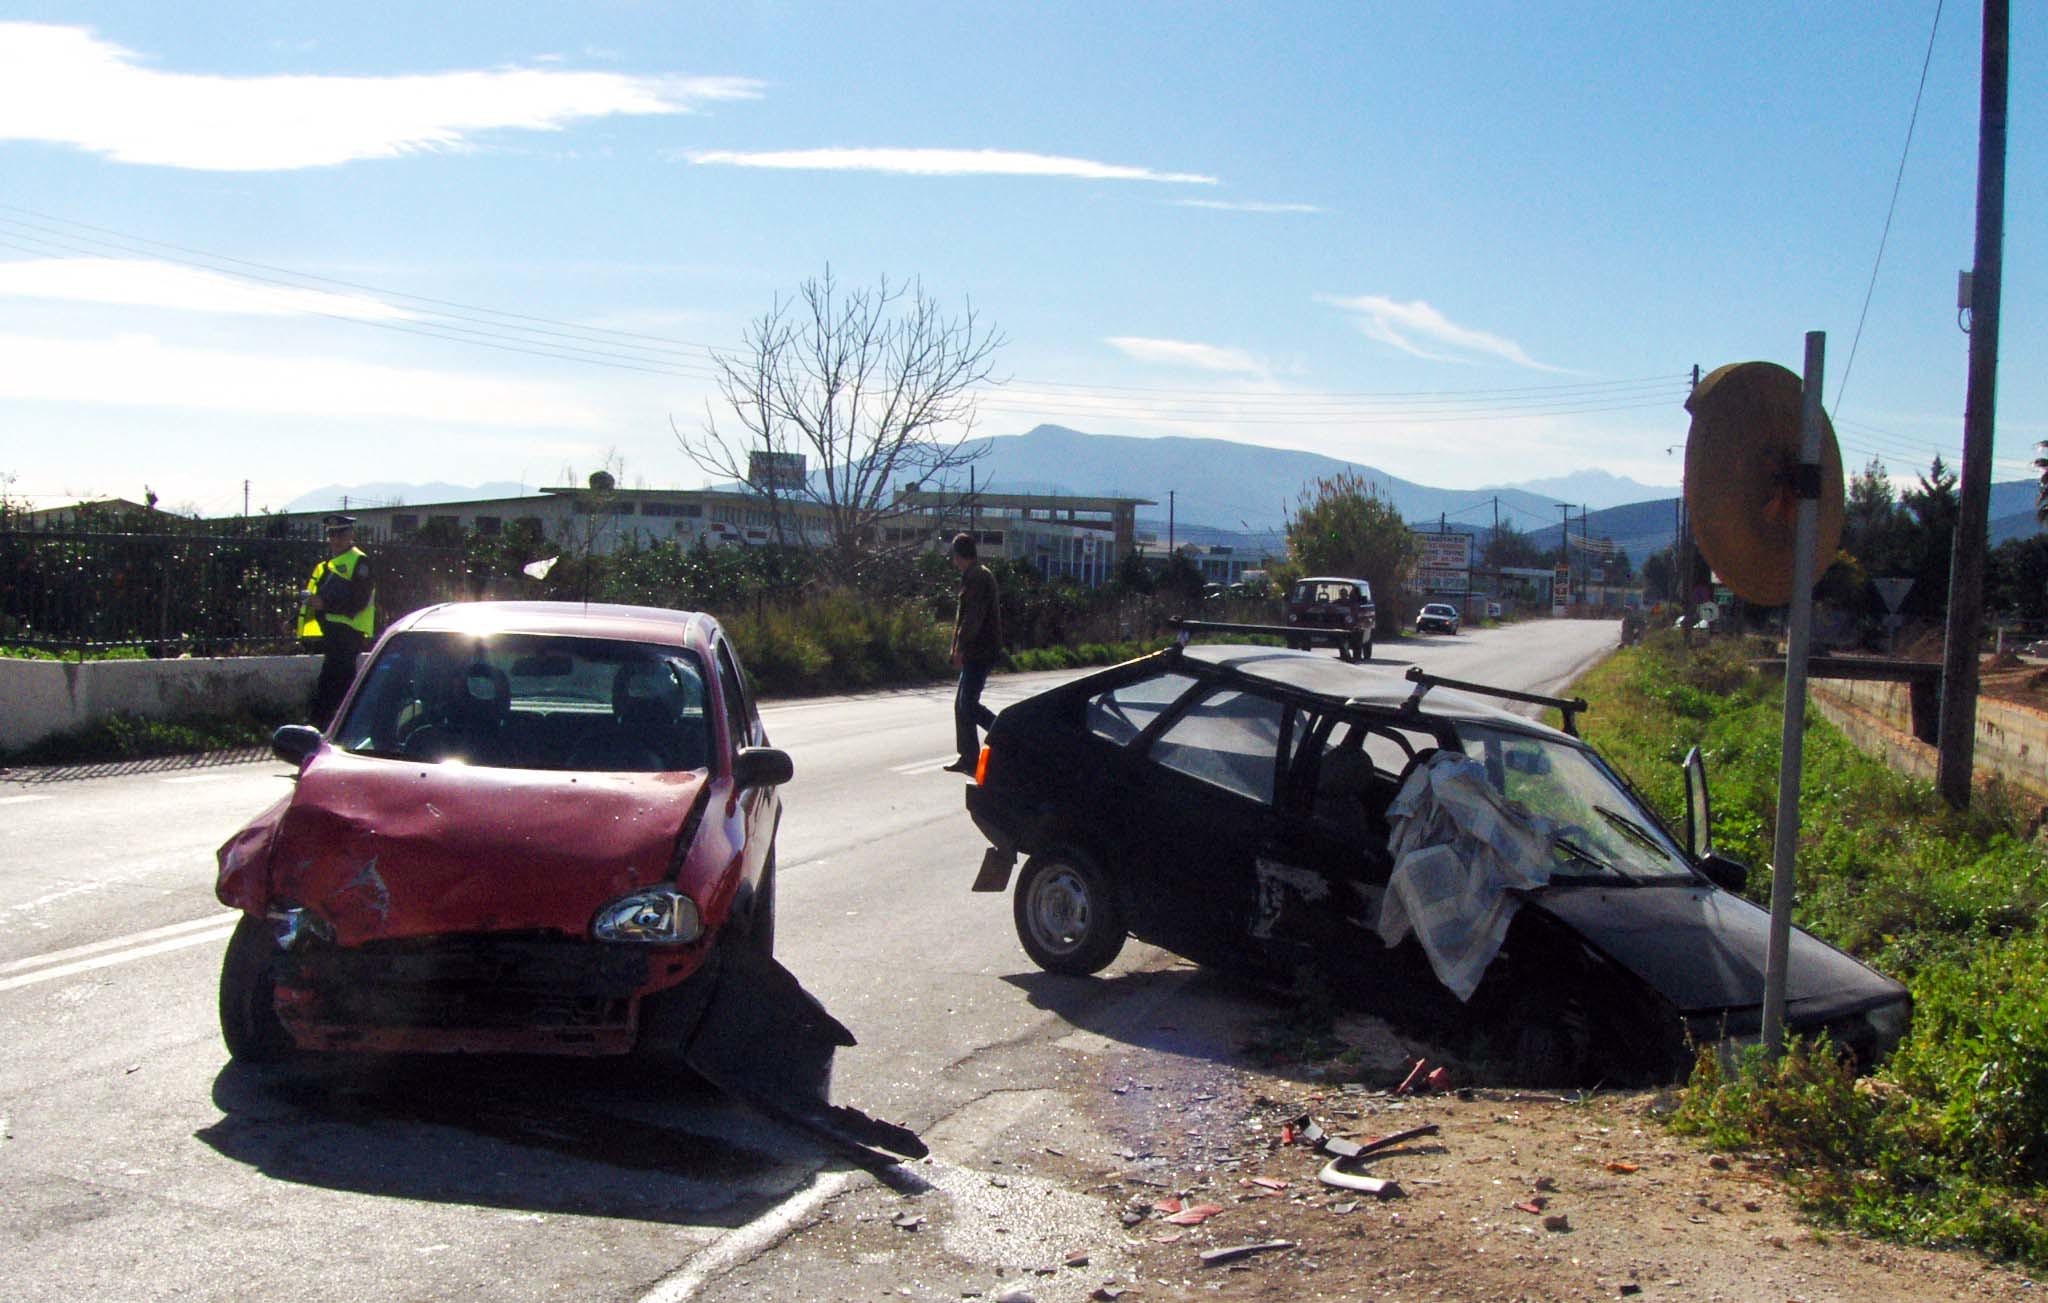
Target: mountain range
{"type": "Point", "coordinates": [1218, 492]}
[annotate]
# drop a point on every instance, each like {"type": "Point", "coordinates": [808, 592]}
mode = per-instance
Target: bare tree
{"type": "Point", "coordinates": [869, 387]}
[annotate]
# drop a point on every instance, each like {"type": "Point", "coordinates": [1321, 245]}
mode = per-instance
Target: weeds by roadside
{"type": "Point", "coordinates": [1948, 1142]}
{"type": "Point", "coordinates": [132, 737]}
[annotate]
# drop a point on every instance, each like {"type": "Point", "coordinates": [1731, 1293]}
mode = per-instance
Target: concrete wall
{"type": "Point", "coordinates": [2011, 742]}
{"type": "Point", "coordinates": [42, 698]}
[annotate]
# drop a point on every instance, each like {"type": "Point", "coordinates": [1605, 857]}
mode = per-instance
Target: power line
{"type": "Point", "coordinates": [1898, 180]}
{"type": "Point", "coordinates": [539, 336]}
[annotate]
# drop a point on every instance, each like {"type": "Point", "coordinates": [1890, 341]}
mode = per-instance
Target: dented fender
{"type": "Point", "coordinates": [243, 879]}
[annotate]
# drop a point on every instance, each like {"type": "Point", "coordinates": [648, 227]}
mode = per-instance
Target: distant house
{"type": "Point", "coordinates": [91, 511]}
{"type": "Point", "coordinates": [1219, 563]}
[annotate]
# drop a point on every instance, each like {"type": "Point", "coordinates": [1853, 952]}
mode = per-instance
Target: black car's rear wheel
{"type": "Point", "coordinates": [1067, 913]}
{"type": "Point", "coordinates": [248, 996]}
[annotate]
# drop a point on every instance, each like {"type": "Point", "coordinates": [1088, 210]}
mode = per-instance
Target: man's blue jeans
{"type": "Point", "coordinates": [968, 710]}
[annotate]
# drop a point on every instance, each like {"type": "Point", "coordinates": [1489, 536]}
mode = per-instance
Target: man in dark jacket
{"type": "Point", "coordinates": [338, 616]}
{"type": "Point", "coordinates": [977, 646]}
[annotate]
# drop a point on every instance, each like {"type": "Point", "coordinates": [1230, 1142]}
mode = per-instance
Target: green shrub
{"type": "Point", "coordinates": [101, 654]}
{"type": "Point", "coordinates": [131, 737]}
{"type": "Point", "coordinates": [1978, 1059]}
{"type": "Point", "coordinates": [1805, 1106]}
{"type": "Point", "coordinates": [1948, 1144]}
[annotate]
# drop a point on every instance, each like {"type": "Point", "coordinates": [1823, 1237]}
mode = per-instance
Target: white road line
{"type": "Point", "coordinates": [748, 1241]}
{"type": "Point", "coordinates": [211, 922]}
{"type": "Point", "coordinates": [122, 957]}
{"type": "Point", "coordinates": [925, 766]}
{"type": "Point", "coordinates": [199, 778]}
{"type": "Point", "coordinates": [24, 800]}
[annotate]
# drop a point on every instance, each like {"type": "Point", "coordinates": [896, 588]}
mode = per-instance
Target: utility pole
{"type": "Point", "coordinates": [1585, 558]}
{"type": "Point", "coordinates": [1966, 562]}
{"type": "Point", "coordinates": [1681, 546]}
{"type": "Point", "coordinates": [1564, 552]}
{"type": "Point", "coordinates": [1170, 495]}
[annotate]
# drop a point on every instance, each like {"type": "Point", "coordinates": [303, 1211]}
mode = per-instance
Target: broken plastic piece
{"type": "Point", "coordinates": [1196, 1214]}
{"type": "Point", "coordinates": [1214, 1257]}
{"type": "Point", "coordinates": [1333, 1173]}
{"type": "Point", "coordinates": [1329, 1144]}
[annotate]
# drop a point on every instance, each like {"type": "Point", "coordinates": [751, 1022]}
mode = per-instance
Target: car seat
{"type": "Point", "coordinates": [1343, 777]}
{"type": "Point", "coordinates": [472, 724]}
{"type": "Point", "coordinates": [657, 723]}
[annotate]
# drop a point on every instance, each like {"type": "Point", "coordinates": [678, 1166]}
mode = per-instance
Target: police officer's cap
{"type": "Point", "coordinates": [337, 523]}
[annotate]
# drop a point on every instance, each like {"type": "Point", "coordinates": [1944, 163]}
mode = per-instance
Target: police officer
{"type": "Point", "coordinates": [338, 615]}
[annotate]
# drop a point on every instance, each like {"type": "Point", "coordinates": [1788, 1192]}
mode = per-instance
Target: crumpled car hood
{"type": "Point", "coordinates": [1703, 950]}
{"type": "Point", "coordinates": [386, 850]}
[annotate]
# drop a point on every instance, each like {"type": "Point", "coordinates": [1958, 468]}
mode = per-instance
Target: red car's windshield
{"type": "Point", "coordinates": [528, 701]}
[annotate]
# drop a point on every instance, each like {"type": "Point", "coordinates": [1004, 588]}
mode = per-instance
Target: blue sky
{"type": "Point", "coordinates": [1468, 244]}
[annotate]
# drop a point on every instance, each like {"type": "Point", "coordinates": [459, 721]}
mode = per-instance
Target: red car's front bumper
{"type": "Point", "coordinates": [474, 995]}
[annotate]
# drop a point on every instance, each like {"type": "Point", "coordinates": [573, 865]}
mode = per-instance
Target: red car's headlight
{"type": "Point", "coordinates": [660, 916]}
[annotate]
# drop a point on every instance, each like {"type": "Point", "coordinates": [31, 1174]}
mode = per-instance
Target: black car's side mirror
{"type": "Point", "coordinates": [295, 743]}
{"type": "Point", "coordinates": [1727, 874]}
{"type": "Point", "coordinates": [1699, 808]}
{"type": "Point", "coordinates": [761, 767]}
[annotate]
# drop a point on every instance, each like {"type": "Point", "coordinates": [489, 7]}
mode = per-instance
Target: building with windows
{"type": "Point", "coordinates": [1080, 538]}
{"type": "Point", "coordinates": [1064, 536]}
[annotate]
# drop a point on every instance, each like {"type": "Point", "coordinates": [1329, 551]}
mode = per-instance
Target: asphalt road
{"type": "Point", "coordinates": [137, 1164]}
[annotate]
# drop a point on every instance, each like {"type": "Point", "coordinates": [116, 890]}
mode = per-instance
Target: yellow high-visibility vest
{"type": "Point", "coordinates": [343, 566]}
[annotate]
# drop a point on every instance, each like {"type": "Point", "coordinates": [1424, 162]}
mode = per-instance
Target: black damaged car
{"type": "Point", "coordinates": [1269, 810]}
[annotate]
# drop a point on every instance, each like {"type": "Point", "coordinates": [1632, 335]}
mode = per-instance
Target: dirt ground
{"type": "Point", "coordinates": [2013, 678]}
{"type": "Point", "coordinates": [1520, 1195]}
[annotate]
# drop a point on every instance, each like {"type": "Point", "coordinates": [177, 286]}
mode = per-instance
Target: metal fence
{"type": "Point", "coordinates": [69, 589]}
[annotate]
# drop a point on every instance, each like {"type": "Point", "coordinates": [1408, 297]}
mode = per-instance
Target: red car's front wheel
{"type": "Point", "coordinates": [248, 996]}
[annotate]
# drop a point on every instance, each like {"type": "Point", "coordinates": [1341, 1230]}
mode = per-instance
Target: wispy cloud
{"type": "Point", "coordinates": [146, 283]}
{"type": "Point", "coordinates": [944, 162]}
{"type": "Point", "coordinates": [1249, 206]}
{"type": "Point", "coordinates": [1180, 352]}
{"type": "Point", "coordinates": [1419, 329]}
{"type": "Point", "coordinates": [155, 374]}
{"type": "Point", "coordinates": [65, 86]}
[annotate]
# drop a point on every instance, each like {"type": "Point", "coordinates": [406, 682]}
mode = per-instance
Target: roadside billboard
{"type": "Point", "coordinates": [775, 472]}
{"type": "Point", "coordinates": [1444, 564]}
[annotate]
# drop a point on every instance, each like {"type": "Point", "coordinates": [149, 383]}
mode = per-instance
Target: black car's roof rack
{"type": "Point", "coordinates": [1188, 628]}
{"type": "Point", "coordinates": [1569, 707]}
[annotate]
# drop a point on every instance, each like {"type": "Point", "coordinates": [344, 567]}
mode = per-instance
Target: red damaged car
{"type": "Point", "coordinates": [535, 827]}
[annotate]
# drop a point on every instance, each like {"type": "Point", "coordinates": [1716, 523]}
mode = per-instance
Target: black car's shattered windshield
{"type": "Point", "coordinates": [1601, 832]}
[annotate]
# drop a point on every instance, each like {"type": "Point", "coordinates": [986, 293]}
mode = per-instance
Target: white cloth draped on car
{"type": "Point", "coordinates": [1460, 847]}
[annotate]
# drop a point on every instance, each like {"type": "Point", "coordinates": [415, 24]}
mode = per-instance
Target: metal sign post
{"type": "Point", "coordinates": [1806, 529]}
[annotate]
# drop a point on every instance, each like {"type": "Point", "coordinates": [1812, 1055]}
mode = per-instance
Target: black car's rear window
{"type": "Point", "coordinates": [530, 701]}
{"type": "Point", "coordinates": [1120, 714]}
